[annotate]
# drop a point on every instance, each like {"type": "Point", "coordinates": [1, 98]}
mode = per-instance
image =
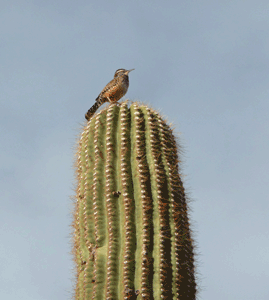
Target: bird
{"type": "Point", "coordinates": [112, 92]}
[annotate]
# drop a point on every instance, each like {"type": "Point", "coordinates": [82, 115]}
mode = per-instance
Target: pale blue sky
{"type": "Point", "coordinates": [203, 64]}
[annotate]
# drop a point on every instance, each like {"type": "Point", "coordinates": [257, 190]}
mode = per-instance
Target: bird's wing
{"type": "Point", "coordinates": [106, 88]}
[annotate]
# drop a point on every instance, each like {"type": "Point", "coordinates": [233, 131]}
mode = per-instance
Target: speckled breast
{"type": "Point", "coordinates": [118, 90]}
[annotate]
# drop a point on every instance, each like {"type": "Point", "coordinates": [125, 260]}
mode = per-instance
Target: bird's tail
{"type": "Point", "coordinates": [93, 109]}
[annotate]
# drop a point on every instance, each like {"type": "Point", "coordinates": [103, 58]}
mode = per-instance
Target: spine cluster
{"type": "Point", "coordinates": [131, 230]}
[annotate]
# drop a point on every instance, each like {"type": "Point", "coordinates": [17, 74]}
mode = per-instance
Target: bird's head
{"type": "Point", "coordinates": [121, 72]}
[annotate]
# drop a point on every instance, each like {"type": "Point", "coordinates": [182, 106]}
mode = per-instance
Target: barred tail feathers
{"type": "Point", "coordinates": [93, 109]}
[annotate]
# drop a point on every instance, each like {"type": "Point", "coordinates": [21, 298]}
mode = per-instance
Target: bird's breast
{"type": "Point", "coordinates": [117, 90]}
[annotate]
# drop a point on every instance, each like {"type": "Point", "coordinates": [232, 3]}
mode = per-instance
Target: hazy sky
{"type": "Point", "coordinates": [203, 64]}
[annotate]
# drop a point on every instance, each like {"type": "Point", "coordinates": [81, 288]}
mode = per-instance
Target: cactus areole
{"type": "Point", "coordinates": [131, 229]}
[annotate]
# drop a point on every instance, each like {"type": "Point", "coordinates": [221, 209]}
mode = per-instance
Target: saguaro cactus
{"type": "Point", "coordinates": [131, 229]}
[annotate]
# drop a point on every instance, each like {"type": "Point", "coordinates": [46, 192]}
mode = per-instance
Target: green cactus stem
{"type": "Point", "coordinates": [131, 229]}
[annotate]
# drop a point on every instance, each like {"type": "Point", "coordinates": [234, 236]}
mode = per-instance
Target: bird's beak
{"type": "Point", "coordinates": [128, 71]}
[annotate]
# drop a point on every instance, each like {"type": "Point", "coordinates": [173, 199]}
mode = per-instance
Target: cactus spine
{"type": "Point", "coordinates": [131, 229]}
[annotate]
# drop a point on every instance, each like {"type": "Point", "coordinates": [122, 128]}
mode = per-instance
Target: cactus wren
{"type": "Point", "coordinates": [112, 92]}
